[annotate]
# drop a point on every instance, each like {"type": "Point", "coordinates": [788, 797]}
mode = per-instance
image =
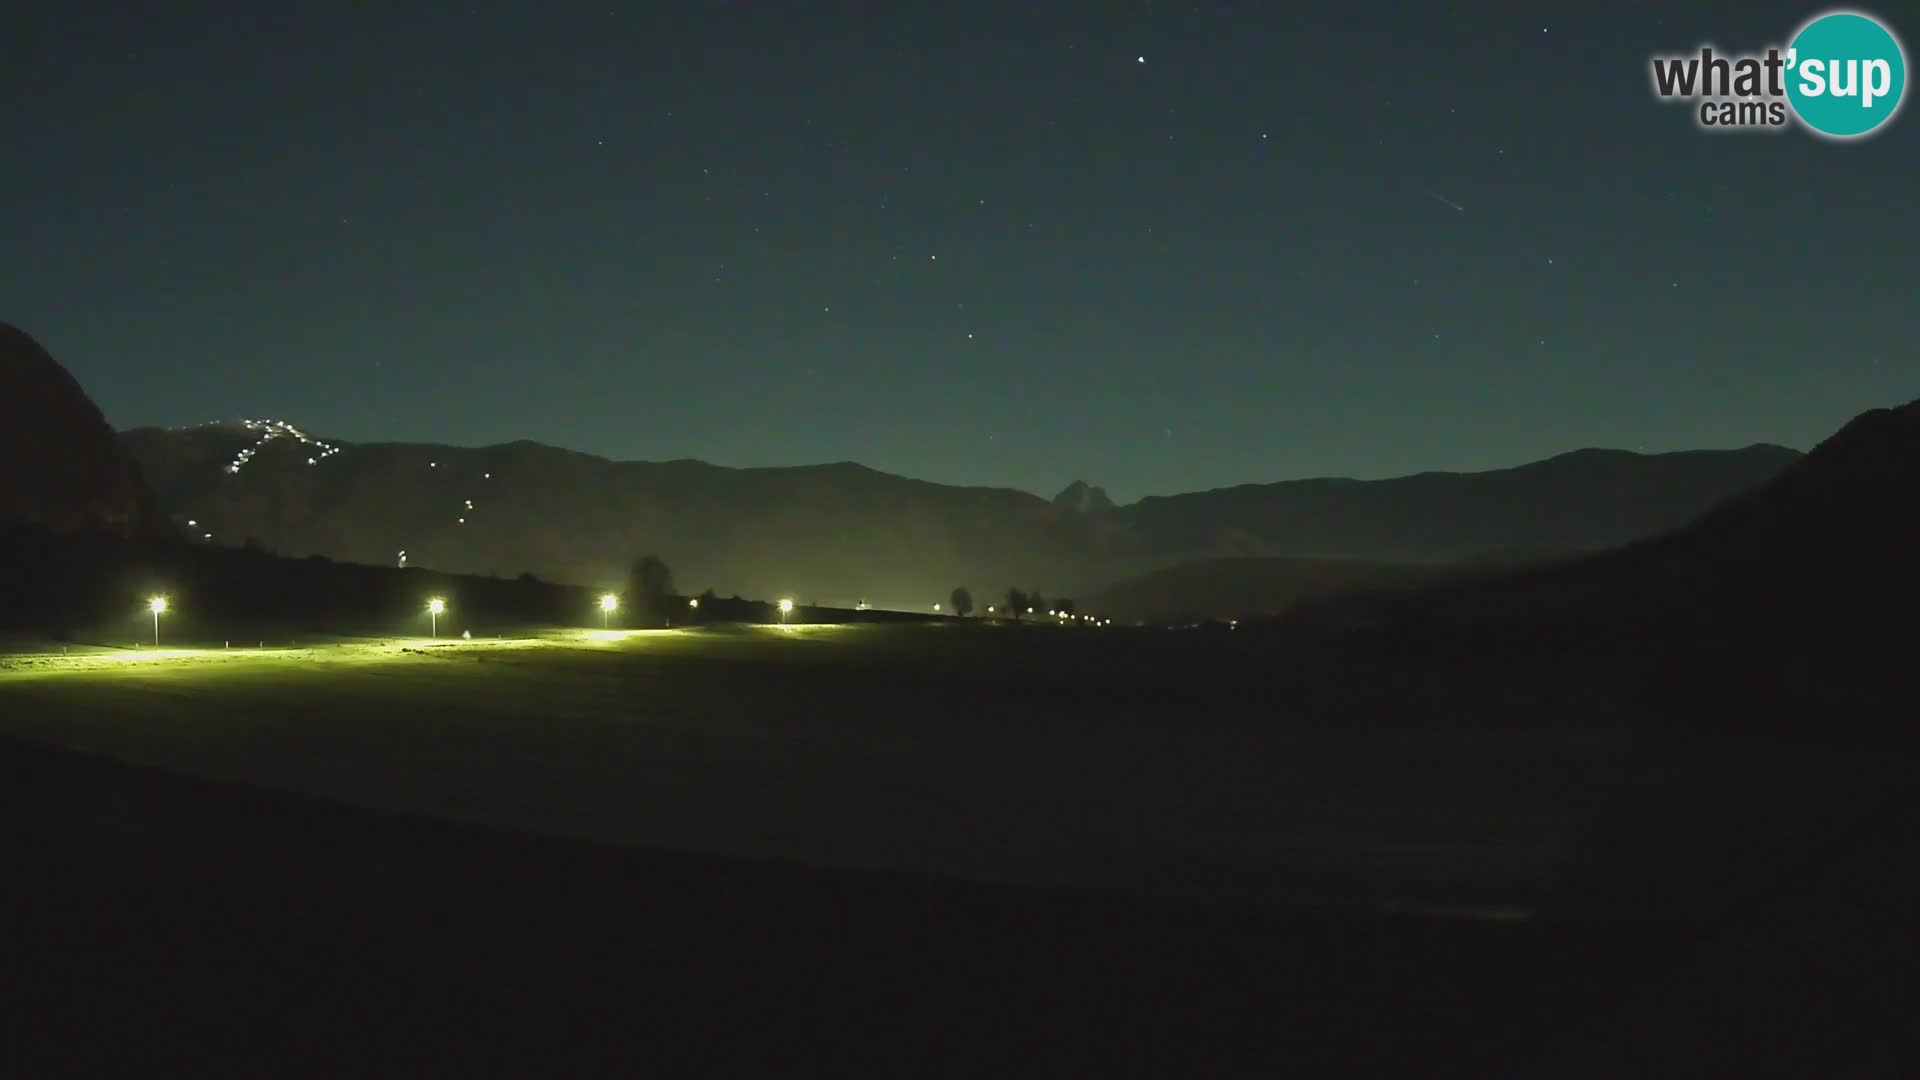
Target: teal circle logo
{"type": "Point", "coordinates": [1846, 75]}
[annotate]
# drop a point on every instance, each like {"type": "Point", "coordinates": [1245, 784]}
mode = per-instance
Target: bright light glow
{"type": "Point", "coordinates": [936, 607]}
{"type": "Point", "coordinates": [436, 606]}
{"type": "Point", "coordinates": [694, 603]}
{"type": "Point", "coordinates": [609, 602]}
{"type": "Point", "coordinates": [1029, 611]}
{"type": "Point", "coordinates": [785, 606]}
{"type": "Point", "coordinates": [989, 609]}
{"type": "Point", "coordinates": [157, 605]}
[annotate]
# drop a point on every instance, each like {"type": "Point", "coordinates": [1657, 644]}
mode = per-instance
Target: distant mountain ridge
{"type": "Point", "coordinates": [1584, 500]}
{"type": "Point", "coordinates": [842, 532]}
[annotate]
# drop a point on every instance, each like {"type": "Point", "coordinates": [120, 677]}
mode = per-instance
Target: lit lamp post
{"type": "Point", "coordinates": [607, 604]}
{"type": "Point", "coordinates": [785, 607]}
{"type": "Point", "coordinates": [157, 605]}
{"type": "Point", "coordinates": [436, 607]}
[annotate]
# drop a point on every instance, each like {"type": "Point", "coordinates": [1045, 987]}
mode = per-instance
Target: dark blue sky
{"type": "Point", "coordinates": [1158, 246]}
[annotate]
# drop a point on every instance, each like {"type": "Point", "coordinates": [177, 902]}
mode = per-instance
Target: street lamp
{"type": "Point", "coordinates": [786, 606]}
{"type": "Point", "coordinates": [157, 605]}
{"type": "Point", "coordinates": [607, 604]}
{"type": "Point", "coordinates": [436, 607]}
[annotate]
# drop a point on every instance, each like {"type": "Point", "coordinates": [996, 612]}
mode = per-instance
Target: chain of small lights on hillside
{"type": "Point", "coordinates": [268, 431]}
{"type": "Point", "coordinates": [278, 429]}
{"type": "Point", "coordinates": [466, 504]}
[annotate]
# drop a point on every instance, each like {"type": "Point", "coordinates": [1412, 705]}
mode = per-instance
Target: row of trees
{"type": "Point", "coordinates": [1019, 603]}
{"type": "Point", "coordinates": [650, 592]}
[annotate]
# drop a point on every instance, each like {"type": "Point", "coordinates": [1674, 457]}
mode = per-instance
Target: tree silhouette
{"type": "Point", "coordinates": [649, 585]}
{"type": "Point", "coordinates": [962, 602]}
{"type": "Point", "coordinates": [1017, 603]}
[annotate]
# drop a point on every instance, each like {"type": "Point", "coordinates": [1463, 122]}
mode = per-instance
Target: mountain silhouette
{"type": "Point", "coordinates": [1788, 607]}
{"type": "Point", "coordinates": [844, 532]}
{"type": "Point", "coordinates": [1583, 501]}
{"type": "Point", "coordinates": [62, 467]}
{"type": "Point", "coordinates": [1084, 498]}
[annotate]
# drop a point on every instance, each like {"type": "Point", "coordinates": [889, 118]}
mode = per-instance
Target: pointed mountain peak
{"type": "Point", "coordinates": [1082, 497]}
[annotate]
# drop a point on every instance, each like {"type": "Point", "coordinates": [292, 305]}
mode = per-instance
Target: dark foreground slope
{"type": "Point", "coordinates": [1791, 606]}
{"type": "Point", "coordinates": [161, 924]}
{"type": "Point", "coordinates": [1827, 545]}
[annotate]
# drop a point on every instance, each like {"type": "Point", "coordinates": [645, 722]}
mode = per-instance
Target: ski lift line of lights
{"type": "Point", "coordinates": [270, 430]}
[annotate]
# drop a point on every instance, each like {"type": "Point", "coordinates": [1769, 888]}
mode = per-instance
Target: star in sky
{"type": "Point", "coordinates": [1204, 240]}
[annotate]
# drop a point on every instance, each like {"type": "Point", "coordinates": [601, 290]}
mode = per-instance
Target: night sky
{"type": "Point", "coordinates": [1156, 246]}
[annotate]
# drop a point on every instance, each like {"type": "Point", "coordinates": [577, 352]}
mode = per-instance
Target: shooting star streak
{"type": "Point", "coordinates": [1442, 198]}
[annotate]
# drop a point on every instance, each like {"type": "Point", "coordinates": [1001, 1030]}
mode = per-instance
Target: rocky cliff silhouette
{"type": "Point", "coordinates": [63, 469]}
